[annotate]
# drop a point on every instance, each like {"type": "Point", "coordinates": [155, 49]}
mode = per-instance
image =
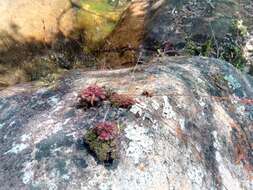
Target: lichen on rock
{"type": "Point", "coordinates": [193, 133]}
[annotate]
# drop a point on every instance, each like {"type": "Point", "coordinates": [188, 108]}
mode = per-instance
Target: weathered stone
{"type": "Point", "coordinates": [195, 132]}
{"type": "Point", "coordinates": [214, 28]}
{"type": "Point", "coordinates": [26, 21]}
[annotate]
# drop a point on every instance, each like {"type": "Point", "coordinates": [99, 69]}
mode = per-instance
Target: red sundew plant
{"type": "Point", "coordinates": [106, 131]}
{"type": "Point", "coordinates": [123, 101]}
{"type": "Point", "coordinates": [92, 95]}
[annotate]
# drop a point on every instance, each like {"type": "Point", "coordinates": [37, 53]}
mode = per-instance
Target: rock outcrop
{"type": "Point", "coordinates": [215, 28]}
{"type": "Point", "coordinates": [193, 131]}
{"type": "Point", "coordinates": [26, 21]}
{"type": "Point", "coordinates": [210, 28]}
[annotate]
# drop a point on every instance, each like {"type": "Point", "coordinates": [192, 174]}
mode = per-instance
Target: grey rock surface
{"type": "Point", "coordinates": [195, 132]}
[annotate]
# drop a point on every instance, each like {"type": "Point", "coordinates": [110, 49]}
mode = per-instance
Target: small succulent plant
{"type": "Point", "coordinates": [92, 95]}
{"type": "Point", "coordinates": [121, 100]}
{"type": "Point", "coordinates": [106, 131]}
{"type": "Point", "coordinates": [102, 140]}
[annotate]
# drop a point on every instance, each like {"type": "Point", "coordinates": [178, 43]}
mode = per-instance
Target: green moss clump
{"type": "Point", "coordinates": [229, 50]}
{"type": "Point", "coordinates": [234, 54]}
{"type": "Point", "coordinates": [191, 48]}
{"type": "Point", "coordinates": [228, 47]}
{"type": "Point", "coordinates": [204, 49]}
{"type": "Point", "coordinates": [207, 48]}
{"type": "Point", "coordinates": [105, 151]}
{"type": "Point", "coordinates": [232, 45]}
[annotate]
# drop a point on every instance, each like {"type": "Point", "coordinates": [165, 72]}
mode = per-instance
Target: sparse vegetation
{"type": "Point", "coordinates": [205, 49]}
{"type": "Point", "coordinates": [229, 49]}
{"type": "Point", "coordinates": [102, 140]}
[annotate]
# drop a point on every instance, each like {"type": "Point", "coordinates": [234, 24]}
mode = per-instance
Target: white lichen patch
{"type": "Point", "coordinates": [240, 109]}
{"type": "Point", "coordinates": [25, 137]}
{"type": "Point", "coordinates": [17, 148]}
{"type": "Point", "coordinates": [41, 90]}
{"type": "Point", "coordinates": [145, 110]}
{"type": "Point", "coordinates": [53, 100]}
{"type": "Point", "coordinates": [95, 181]}
{"type": "Point", "coordinates": [138, 109]}
{"type": "Point", "coordinates": [196, 175]}
{"type": "Point", "coordinates": [228, 181]}
{"type": "Point", "coordinates": [105, 186]}
{"type": "Point", "coordinates": [2, 125]}
{"type": "Point", "coordinates": [201, 102]}
{"type": "Point", "coordinates": [57, 108]}
{"type": "Point", "coordinates": [154, 177]}
{"type": "Point", "coordinates": [47, 127]}
{"type": "Point", "coordinates": [168, 112]}
{"type": "Point", "coordinates": [65, 177]}
{"type": "Point", "coordinates": [182, 124]}
{"type": "Point", "coordinates": [66, 121]}
{"type": "Point", "coordinates": [232, 82]}
{"type": "Point", "coordinates": [140, 143]}
{"type": "Point", "coordinates": [12, 123]}
{"type": "Point", "coordinates": [28, 173]}
{"type": "Point", "coordinates": [155, 105]}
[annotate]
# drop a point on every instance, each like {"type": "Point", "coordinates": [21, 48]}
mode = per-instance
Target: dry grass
{"type": "Point", "coordinates": [36, 69]}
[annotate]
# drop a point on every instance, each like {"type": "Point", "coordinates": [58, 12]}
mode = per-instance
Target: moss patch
{"type": "Point", "coordinates": [105, 151]}
{"type": "Point", "coordinates": [228, 48]}
{"type": "Point", "coordinates": [233, 53]}
{"type": "Point", "coordinates": [204, 49]}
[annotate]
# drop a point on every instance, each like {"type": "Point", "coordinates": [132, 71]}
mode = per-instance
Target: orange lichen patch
{"type": "Point", "coordinates": [240, 154]}
{"type": "Point", "coordinates": [234, 125]}
{"type": "Point", "coordinates": [141, 167]}
{"type": "Point", "coordinates": [121, 46]}
{"type": "Point", "coordinates": [242, 148]}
